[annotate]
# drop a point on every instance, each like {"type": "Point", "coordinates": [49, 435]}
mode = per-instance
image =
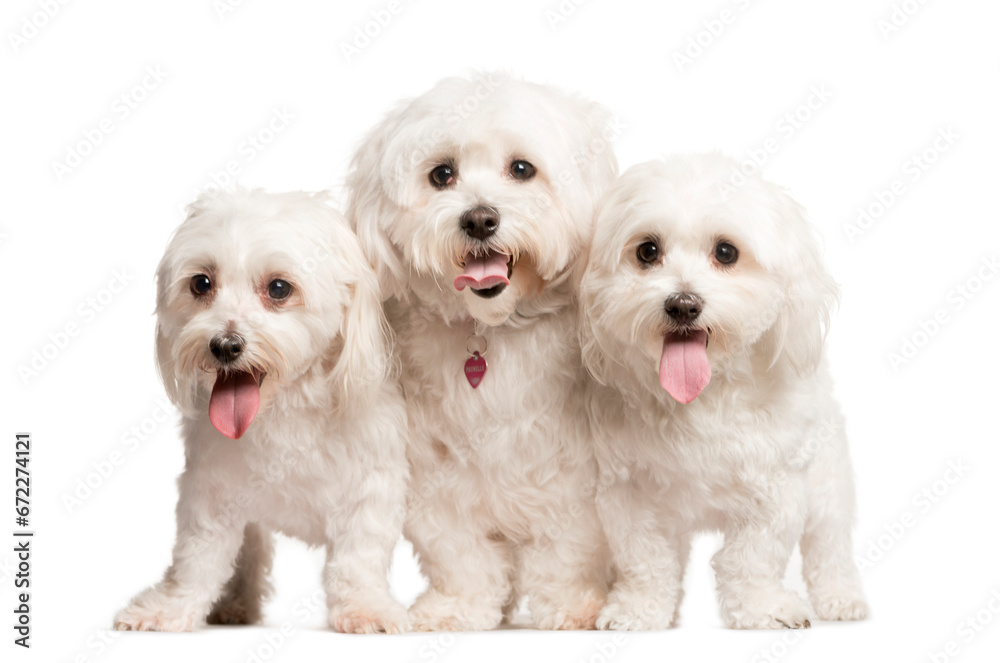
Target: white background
{"type": "Point", "coordinates": [63, 239]}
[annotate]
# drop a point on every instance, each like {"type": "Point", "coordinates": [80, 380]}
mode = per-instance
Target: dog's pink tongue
{"type": "Point", "coordinates": [234, 403]}
{"type": "Point", "coordinates": [483, 272]}
{"type": "Point", "coordinates": [684, 369]}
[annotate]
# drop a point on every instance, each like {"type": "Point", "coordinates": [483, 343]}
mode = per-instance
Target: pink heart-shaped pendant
{"type": "Point", "coordinates": [475, 369]}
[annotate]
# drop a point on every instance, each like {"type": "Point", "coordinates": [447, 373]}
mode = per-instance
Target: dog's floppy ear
{"type": "Point", "coordinates": [180, 394]}
{"type": "Point", "coordinates": [363, 363]}
{"type": "Point", "coordinates": [595, 360]}
{"type": "Point", "coordinates": [165, 365]}
{"type": "Point", "coordinates": [595, 156]}
{"type": "Point", "coordinates": [591, 159]}
{"type": "Point", "coordinates": [802, 320]}
{"type": "Point", "coordinates": [594, 357]}
{"type": "Point", "coordinates": [372, 210]}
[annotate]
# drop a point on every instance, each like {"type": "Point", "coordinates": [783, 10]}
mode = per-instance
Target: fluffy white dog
{"type": "Point", "coordinates": [474, 202]}
{"type": "Point", "coordinates": [705, 309]}
{"type": "Point", "coordinates": [272, 343]}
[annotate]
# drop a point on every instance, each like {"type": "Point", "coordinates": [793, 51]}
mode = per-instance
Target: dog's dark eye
{"type": "Point", "coordinates": [522, 170]}
{"type": "Point", "coordinates": [647, 252]}
{"type": "Point", "coordinates": [200, 285]}
{"type": "Point", "coordinates": [279, 289]}
{"type": "Point", "coordinates": [726, 253]}
{"type": "Point", "coordinates": [442, 176]}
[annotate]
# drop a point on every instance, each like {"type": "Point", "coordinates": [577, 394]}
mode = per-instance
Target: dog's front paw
{"type": "Point", "coordinates": [238, 610]}
{"type": "Point", "coordinates": [140, 618]}
{"type": "Point", "coordinates": [440, 612]}
{"type": "Point", "coordinates": [774, 610]}
{"type": "Point", "coordinates": [384, 616]}
{"type": "Point", "coordinates": [841, 608]}
{"type": "Point", "coordinates": [577, 611]}
{"type": "Point", "coordinates": [635, 614]}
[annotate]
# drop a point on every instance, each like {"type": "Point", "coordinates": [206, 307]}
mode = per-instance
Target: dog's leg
{"type": "Point", "coordinates": [513, 605]}
{"type": "Point", "coordinates": [827, 562]}
{"type": "Point", "coordinates": [682, 544]}
{"type": "Point", "coordinates": [648, 561]}
{"type": "Point", "coordinates": [469, 567]}
{"type": "Point", "coordinates": [249, 587]}
{"type": "Point", "coordinates": [208, 539]}
{"type": "Point", "coordinates": [564, 567]}
{"type": "Point", "coordinates": [359, 553]}
{"type": "Point", "coordinates": [751, 564]}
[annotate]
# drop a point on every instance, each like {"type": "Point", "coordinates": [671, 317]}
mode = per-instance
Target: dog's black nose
{"type": "Point", "coordinates": [227, 348]}
{"type": "Point", "coordinates": [480, 222]}
{"type": "Point", "coordinates": [683, 307]}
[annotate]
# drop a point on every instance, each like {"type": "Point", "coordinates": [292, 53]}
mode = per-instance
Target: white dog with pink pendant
{"type": "Point", "coordinates": [474, 202]}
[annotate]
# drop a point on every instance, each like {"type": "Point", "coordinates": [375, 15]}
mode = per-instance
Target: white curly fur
{"type": "Point", "coordinates": [503, 475]}
{"type": "Point", "coordinates": [324, 459]}
{"type": "Point", "coordinates": [760, 454]}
